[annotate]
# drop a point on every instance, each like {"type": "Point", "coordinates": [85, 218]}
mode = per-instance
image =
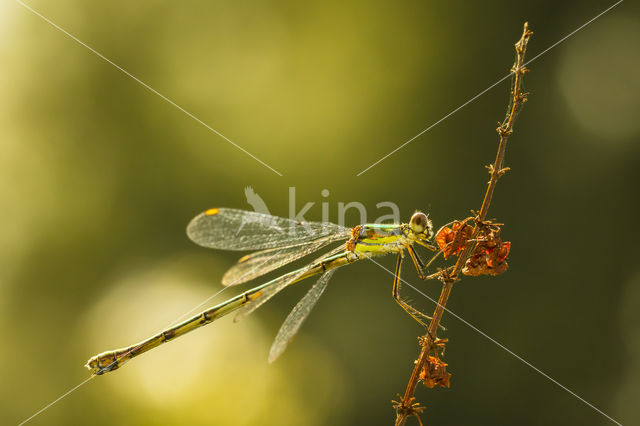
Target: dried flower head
{"type": "Point", "coordinates": [435, 373]}
{"type": "Point", "coordinates": [453, 240]}
{"type": "Point", "coordinates": [489, 256]}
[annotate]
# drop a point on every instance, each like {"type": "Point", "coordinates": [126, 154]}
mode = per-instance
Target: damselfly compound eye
{"type": "Point", "coordinates": [419, 222]}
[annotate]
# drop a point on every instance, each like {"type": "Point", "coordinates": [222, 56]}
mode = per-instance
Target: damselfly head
{"type": "Point", "coordinates": [420, 223]}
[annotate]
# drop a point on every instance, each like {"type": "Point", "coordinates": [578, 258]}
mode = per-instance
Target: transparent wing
{"type": "Point", "coordinates": [297, 316]}
{"type": "Point", "coordinates": [259, 263]}
{"type": "Point", "coordinates": [232, 229]}
{"type": "Point", "coordinates": [278, 285]}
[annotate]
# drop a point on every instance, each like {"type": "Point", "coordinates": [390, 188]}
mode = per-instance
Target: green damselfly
{"type": "Point", "coordinates": [280, 241]}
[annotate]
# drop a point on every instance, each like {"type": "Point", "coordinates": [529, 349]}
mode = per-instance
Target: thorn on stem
{"type": "Point", "coordinates": [503, 170]}
{"type": "Point", "coordinates": [499, 173]}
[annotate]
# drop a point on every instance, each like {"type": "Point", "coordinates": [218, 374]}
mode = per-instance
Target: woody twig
{"type": "Point", "coordinates": [426, 363]}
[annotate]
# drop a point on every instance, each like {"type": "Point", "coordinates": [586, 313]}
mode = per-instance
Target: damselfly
{"type": "Point", "coordinates": [280, 241]}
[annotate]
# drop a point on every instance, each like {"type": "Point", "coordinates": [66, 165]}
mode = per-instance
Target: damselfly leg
{"type": "Point", "coordinates": [421, 267]}
{"type": "Point", "coordinates": [415, 314]}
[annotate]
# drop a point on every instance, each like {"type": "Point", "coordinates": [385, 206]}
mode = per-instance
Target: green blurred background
{"type": "Point", "coordinates": [99, 177]}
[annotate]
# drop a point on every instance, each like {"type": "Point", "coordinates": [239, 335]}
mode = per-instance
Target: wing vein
{"type": "Point", "coordinates": [297, 316]}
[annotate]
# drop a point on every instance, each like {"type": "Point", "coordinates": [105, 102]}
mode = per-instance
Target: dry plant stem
{"type": "Point", "coordinates": [496, 170]}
